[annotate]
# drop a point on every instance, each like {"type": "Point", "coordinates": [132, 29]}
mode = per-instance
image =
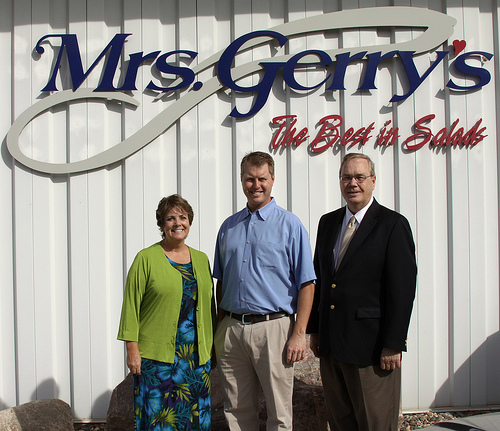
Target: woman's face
{"type": "Point", "coordinates": [176, 226]}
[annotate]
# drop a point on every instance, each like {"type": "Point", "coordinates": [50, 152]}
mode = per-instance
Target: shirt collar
{"type": "Point", "coordinates": [360, 214]}
{"type": "Point", "coordinates": [263, 212]}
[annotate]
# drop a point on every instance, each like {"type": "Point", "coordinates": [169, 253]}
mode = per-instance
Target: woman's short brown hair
{"type": "Point", "coordinates": [169, 203]}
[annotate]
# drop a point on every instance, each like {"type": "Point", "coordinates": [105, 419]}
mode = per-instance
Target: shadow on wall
{"type": "Point", "coordinates": [49, 389]}
{"type": "Point", "coordinates": [3, 406]}
{"type": "Point", "coordinates": [100, 406]}
{"type": "Point", "coordinates": [45, 390]}
{"type": "Point", "coordinates": [477, 382]}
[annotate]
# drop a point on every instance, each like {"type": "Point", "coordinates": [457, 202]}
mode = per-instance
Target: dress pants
{"type": "Point", "coordinates": [360, 398]}
{"type": "Point", "coordinates": [249, 356]}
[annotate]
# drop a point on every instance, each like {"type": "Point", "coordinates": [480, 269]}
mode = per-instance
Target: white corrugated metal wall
{"type": "Point", "coordinates": [67, 240]}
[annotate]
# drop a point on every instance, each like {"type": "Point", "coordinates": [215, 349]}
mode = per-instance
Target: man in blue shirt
{"type": "Point", "coordinates": [263, 264]}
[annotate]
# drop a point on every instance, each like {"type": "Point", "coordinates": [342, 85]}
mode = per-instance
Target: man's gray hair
{"type": "Point", "coordinates": [351, 156]}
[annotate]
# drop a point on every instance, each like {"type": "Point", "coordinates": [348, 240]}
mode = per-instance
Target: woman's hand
{"type": "Point", "coordinates": [133, 357]}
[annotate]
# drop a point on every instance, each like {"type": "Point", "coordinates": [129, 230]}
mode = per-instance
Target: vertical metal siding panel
{"type": "Point", "coordinates": [492, 342]}
{"type": "Point", "coordinates": [429, 228]}
{"type": "Point", "coordinates": [351, 108]}
{"type": "Point", "coordinates": [459, 241]}
{"type": "Point", "coordinates": [224, 188]}
{"type": "Point", "coordinates": [433, 239]}
{"type": "Point", "coordinates": [267, 14]}
{"type": "Point", "coordinates": [298, 175]}
{"type": "Point", "coordinates": [242, 130]}
{"type": "Point", "coordinates": [161, 156]}
{"type": "Point", "coordinates": [104, 188]}
{"type": "Point", "coordinates": [437, 210]}
{"type": "Point", "coordinates": [49, 235]}
{"type": "Point", "coordinates": [188, 143]}
{"type": "Point", "coordinates": [215, 188]}
{"type": "Point", "coordinates": [206, 132]}
{"type": "Point", "coordinates": [217, 203]}
{"type": "Point", "coordinates": [8, 389]}
{"type": "Point", "coordinates": [78, 240]}
{"type": "Point", "coordinates": [323, 167]}
{"type": "Point", "coordinates": [478, 29]}
{"type": "Point", "coordinates": [323, 185]}
{"type": "Point", "coordinates": [23, 231]}
{"type": "Point", "coordinates": [402, 117]}
{"type": "Point", "coordinates": [132, 206]}
{"type": "Point", "coordinates": [492, 307]}
{"type": "Point", "coordinates": [134, 176]}
{"type": "Point", "coordinates": [371, 103]}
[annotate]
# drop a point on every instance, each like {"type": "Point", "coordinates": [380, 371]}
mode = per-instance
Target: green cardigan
{"type": "Point", "coordinates": [152, 303]}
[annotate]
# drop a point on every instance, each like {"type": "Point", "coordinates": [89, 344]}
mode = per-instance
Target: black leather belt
{"type": "Point", "coordinates": [248, 319]}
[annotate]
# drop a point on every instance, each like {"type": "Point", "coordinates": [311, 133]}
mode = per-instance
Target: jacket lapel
{"type": "Point", "coordinates": [369, 221]}
{"type": "Point", "coordinates": [334, 233]}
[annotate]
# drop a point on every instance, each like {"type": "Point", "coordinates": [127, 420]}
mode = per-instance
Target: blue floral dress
{"type": "Point", "coordinates": [176, 396]}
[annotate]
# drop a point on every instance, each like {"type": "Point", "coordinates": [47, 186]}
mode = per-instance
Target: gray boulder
{"type": "Point", "coordinates": [120, 415]}
{"type": "Point", "coordinates": [41, 415]}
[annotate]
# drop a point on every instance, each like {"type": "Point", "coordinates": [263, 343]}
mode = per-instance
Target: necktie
{"type": "Point", "coordinates": [346, 239]}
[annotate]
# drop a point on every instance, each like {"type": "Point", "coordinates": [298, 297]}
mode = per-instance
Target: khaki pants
{"type": "Point", "coordinates": [249, 356]}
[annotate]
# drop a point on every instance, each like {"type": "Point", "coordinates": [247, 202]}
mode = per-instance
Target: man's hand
{"type": "Point", "coordinates": [390, 359]}
{"type": "Point", "coordinates": [296, 348]}
{"type": "Point", "coordinates": [297, 345]}
{"type": "Point", "coordinates": [314, 344]}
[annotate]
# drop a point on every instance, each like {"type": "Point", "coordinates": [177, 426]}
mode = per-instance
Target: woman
{"type": "Point", "coordinates": [166, 321]}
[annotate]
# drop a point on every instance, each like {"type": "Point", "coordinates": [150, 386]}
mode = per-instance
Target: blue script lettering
{"type": "Point", "coordinates": [335, 71]}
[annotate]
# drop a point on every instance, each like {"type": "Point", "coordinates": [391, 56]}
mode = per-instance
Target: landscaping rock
{"type": "Point", "coordinates": [40, 415]}
{"type": "Point", "coordinates": [120, 415]}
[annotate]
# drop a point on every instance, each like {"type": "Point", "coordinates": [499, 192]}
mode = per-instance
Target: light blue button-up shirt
{"type": "Point", "coordinates": [262, 259]}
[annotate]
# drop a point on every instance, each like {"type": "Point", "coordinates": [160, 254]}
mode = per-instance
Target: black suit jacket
{"type": "Point", "coordinates": [366, 304]}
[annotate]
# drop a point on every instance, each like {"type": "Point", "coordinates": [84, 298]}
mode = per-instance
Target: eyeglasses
{"type": "Point", "coordinates": [358, 178]}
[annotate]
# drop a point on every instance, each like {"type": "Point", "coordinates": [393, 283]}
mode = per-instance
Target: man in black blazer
{"type": "Point", "coordinates": [363, 302]}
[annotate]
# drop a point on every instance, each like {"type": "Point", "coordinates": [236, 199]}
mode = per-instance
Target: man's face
{"type": "Point", "coordinates": [257, 185]}
{"type": "Point", "coordinates": [356, 194]}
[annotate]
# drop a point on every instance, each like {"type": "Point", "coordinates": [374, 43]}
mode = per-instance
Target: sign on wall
{"type": "Point", "coordinates": [228, 72]}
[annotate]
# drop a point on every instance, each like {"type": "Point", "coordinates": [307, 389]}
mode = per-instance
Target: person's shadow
{"type": "Point", "coordinates": [476, 383]}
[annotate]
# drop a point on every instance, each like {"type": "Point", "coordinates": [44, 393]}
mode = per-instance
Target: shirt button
{"type": "Point", "coordinates": [332, 306]}
{"type": "Point", "coordinates": [248, 242]}
{"type": "Point", "coordinates": [334, 286]}
{"type": "Point", "coordinates": [245, 260]}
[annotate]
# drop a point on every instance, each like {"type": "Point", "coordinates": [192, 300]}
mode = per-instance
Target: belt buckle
{"type": "Point", "coordinates": [243, 319]}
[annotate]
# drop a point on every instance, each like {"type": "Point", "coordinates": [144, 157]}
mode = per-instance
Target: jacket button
{"type": "Point", "coordinates": [332, 306]}
{"type": "Point", "coordinates": [334, 286]}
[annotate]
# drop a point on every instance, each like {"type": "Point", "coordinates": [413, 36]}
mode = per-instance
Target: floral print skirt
{"type": "Point", "coordinates": [176, 396]}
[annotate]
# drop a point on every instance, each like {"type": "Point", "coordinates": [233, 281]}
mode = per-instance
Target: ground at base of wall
{"type": "Point", "coordinates": [421, 420]}
{"type": "Point", "coordinates": [410, 422]}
